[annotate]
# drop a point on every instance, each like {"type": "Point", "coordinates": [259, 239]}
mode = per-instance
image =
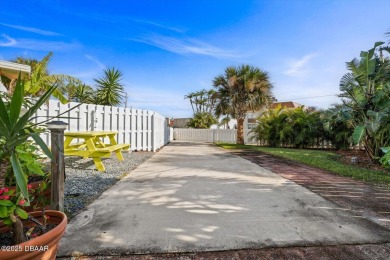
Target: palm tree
{"type": "Point", "coordinates": [110, 91]}
{"type": "Point", "coordinates": [202, 103]}
{"type": "Point", "coordinates": [191, 96]}
{"type": "Point", "coordinates": [240, 90]}
{"type": "Point", "coordinates": [225, 122]}
{"type": "Point", "coordinates": [202, 120]}
{"type": "Point", "coordinates": [82, 94]}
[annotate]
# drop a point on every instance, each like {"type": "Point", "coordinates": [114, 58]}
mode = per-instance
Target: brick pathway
{"type": "Point", "coordinates": [367, 200]}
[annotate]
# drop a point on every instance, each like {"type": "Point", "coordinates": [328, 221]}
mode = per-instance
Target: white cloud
{"type": "Point", "coordinates": [188, 46]}
{"type": "Point", "coordinates": [31, 29]}
{"type": "Point", "coordinates": [9, 41]}
{"type": "Point", "coordinates": [96, 61]}
{"type": "Point", "coordinates": [171, 28]}
{"type": "Point", "coordinates": [32, 44]}
{"type": "Point", "coordinates": [299, 67]}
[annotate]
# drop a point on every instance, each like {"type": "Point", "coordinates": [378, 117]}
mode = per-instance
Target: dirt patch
{"type": "Point", "coordinates": [362, 160]}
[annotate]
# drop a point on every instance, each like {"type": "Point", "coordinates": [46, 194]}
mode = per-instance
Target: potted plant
{"type": "Point", "coordinates": [23, 235]}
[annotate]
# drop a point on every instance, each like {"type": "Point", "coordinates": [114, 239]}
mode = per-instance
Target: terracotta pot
{"type": "Point", "coordinates": [42, 247]}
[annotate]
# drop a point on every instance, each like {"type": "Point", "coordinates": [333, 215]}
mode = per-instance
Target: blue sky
{"type": "Point", "coordinates": [167, 49]}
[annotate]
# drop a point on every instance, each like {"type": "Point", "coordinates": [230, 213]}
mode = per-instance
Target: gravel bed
{"type": "Point", "coordinates": [84, 183]}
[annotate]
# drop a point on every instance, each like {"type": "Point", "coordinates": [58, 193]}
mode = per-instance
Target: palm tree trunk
{"type": "Point", "coordinates": [240, 131]}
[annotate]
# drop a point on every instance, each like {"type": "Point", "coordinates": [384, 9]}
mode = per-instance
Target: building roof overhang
{"type": "Point", "coordinates": [11, 70]}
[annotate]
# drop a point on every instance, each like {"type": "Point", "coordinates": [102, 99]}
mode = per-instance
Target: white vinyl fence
{"type": "Point", "coordinates": [229, 136]}
{"type": "Point", "coordinates": [145, 130]}
{"type": "Point", "coordinates": [205, 135]}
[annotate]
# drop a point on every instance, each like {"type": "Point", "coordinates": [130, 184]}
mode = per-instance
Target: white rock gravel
{"type": "Point", "coordinates": [84, 183]}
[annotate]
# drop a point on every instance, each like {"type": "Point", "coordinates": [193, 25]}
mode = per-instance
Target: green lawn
{"type": "Point", "coordinates": [321, 159]}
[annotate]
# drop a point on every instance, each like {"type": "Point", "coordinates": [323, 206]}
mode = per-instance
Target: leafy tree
{"type": "Point", "coordinates": [366, 92]}
{"type": "Point", "coordinates": [240, 90]}
{"type": "Point", "coordinates": [110, 91]}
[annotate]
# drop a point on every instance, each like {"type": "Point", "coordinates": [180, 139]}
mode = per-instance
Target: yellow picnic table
{"type": "Point", "coordinates": [93, 146]}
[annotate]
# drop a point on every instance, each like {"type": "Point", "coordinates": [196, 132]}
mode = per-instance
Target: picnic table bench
{"type": "Point", "coordinates": [93, 146]}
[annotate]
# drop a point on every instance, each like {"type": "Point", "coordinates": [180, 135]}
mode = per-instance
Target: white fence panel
{"type": "Point", "coordinates": [205, 135]}
{"type": "Point", "coordinates": [145, 130]}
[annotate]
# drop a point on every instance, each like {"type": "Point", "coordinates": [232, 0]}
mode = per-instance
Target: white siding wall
{"type": "Point", "coordinates": [145, 130]}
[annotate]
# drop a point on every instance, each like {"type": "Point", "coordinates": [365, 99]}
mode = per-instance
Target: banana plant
{"type": "Point", "coordinates": [366, 89]}
{"type": "Point", "coordinates": [385, 160]}
{"type": "Point", "coordinates": [40, 80]}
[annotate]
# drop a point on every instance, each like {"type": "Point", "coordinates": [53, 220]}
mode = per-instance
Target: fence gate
{"type": "Point", "coordinates": [205, 135]}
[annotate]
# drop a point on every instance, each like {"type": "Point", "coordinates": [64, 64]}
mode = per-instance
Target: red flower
{"type": "Point", "coordinates": [1, 197]}
{"type": "Point", "coordinates": [6, 189]}
{"type": "Point", "coordinates": [6, 197]}
{"type": "Point", "coordinates": [29, 186]}
{"type": "Point", "coordinates": [1, 191]}
{"type": "Point", "coordinates": [21, 202]}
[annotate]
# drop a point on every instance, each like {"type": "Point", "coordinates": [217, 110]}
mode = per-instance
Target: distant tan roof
{"type": "Point", "coordinates": [11, 70]}
{"type": "Point", "coordinates": [288, 104]}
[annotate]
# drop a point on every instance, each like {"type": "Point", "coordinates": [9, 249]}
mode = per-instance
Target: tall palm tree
{"type": "Point", "coordinates": [202, 100]}
{"type": "Point", "coordinates": [110, 91]}
{"type": "Point", "coordinates": [191, 96]}
{"type": "Point", "coordinates": [240, 90]}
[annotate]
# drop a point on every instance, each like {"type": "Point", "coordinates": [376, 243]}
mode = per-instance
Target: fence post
{"type": "Point", "coordinates": [57, 129]}
{"type": "Point", "coordinates": [153, 133]}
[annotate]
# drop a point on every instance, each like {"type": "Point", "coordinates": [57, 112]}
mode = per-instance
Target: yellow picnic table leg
{"type": "Point", "coordinates": [67, 142]}
{"type": "Point", "coordinates": [112, 139]}
{"type": "Point", "coordinates": [119, 155]}
{"type": "Point", "coordinates": [91, 147]}
{"type": "Point", "coordinates": [113, 142]}
{"type": "Point", "coordinates": [99, 164]}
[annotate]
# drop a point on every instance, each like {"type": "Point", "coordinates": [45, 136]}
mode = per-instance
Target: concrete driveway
{"type": "Point", "coordinates": [193, 197]}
